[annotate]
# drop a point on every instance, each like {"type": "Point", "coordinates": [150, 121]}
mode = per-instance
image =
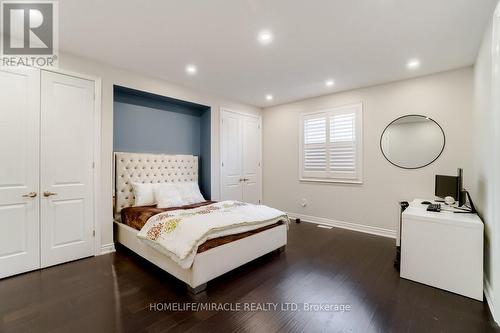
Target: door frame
{"type": "Point", "coordinates": [494, 295]}
{"type": "Point", "coordinates": [259, 118]}
{"type": "Point", "coordinates": [96, 176]}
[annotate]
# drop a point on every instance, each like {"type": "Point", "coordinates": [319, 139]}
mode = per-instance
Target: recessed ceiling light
{"type": "Point", "coordinates": [329, 83]}
{"type": "Point", "coordinates": [413, 64]}
{"type": "Point", "coordinates": [265, 37]}
{"type": "Point", "coordinates": [269, 97]}
{"type": "Point", "coordinates": [191, 69]}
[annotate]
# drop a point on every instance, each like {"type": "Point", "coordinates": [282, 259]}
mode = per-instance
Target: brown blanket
{"type": "Point", "coordinates": [136, 217]}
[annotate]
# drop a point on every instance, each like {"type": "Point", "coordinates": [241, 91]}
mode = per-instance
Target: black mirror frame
{"type": "Point", "coordinates": [413, 115]}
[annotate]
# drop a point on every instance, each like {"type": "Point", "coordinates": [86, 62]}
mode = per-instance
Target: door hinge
{"type": "Point", "coordinates": [259, 201]}
{"type": "Point", "coordinates": [222, 163]}
{"type": "Point", "coordinates": [93, 165]}
{"type": "Point", "coordinates": [259, 163]}
{"type": "Point", "coordinates": [93, 233]}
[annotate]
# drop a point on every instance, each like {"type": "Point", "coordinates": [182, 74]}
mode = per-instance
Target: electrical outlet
{"type": "Point", "coordinates": [304, 203]}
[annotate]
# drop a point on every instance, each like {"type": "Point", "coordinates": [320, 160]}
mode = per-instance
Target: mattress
{"type": "Point", "coordinates": [136, 217]}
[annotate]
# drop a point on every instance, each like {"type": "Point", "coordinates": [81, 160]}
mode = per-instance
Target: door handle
{"type": "Point", "coordinates": [242, 179]}
{"type": "Point", "coordinates": [30, 195]}
{"type": "Point", "coordinates": [48, 194]}
{"type": "Point", "coordinates": [246, 179]}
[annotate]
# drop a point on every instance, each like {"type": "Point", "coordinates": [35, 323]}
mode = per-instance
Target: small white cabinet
{"type": "Point", "coordinates": [443, 250]}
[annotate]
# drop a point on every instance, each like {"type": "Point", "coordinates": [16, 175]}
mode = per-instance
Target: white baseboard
{"type": "Point", "coordinates": [488, 294]}
{"type": "Point", "coordinates": [345, 225]}
{"type": "Point", "coordinates": [107, 248]}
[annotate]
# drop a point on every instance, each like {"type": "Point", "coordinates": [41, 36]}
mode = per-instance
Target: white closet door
{"type": "Point", "coordinates": [19, 135]}
{"type": "Point", "coordinates": [231, 187]}
{"type": "Point", "coordinates": [67, 115]}
{"type": "Point", "coordinates": [250, 131]}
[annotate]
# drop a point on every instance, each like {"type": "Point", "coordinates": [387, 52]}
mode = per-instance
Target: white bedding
{"type": "Point", "coordinates": [178, 233]}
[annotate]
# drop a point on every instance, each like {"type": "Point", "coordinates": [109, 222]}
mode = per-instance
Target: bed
{"type": "Point", "coordinates": [235, 250]}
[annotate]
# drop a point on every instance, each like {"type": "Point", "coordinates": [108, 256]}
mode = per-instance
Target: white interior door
{"type": "Point", "coordinates": [67, 115]}
{"type": "Point", "coordinates": [241, 157]}
{"type": "Point", "coordinates": [251, 146]}
{"type": "Point", "coordinates": [19, 204]}
{"type": "Point", "coordinates": [231, 182]}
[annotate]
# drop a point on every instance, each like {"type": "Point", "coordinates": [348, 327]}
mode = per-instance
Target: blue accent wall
{"type": "Point", "coordinates": [149, 123]}
{"type": "Point", "coordinates": [205, 153]}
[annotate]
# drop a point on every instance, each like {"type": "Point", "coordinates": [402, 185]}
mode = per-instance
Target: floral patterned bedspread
{"type": "Point", "coordinates": [178, 233]}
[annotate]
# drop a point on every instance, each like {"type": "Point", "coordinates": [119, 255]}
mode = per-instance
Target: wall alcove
{"type": "Point", "coordinates": [148, 123]}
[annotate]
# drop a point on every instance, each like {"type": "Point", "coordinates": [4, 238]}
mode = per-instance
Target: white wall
{"type": "Point", "coordinates": [110, 76]}
{"type": "Point", "coordinates": [445, 97]}
{"type": "Point", "coordinates": [485, 187]}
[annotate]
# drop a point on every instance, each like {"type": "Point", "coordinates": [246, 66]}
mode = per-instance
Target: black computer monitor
{"type": "Point", "coordinates": [453, 186]}
{"type": "Point", "coordinates": [447, 186]}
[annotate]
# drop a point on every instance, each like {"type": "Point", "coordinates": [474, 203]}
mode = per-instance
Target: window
{"type": "Point", "coordinates": [331, 145]}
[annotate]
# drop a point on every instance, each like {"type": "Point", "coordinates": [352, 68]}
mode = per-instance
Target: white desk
{"type": "Point", "coordinates": [443, 250]}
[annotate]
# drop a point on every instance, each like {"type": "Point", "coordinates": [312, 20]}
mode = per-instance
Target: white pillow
{"type": "Point", "coordinates": [144, 194]}
{"type": "Point", "coordinates": [167, 195]}
{"type": "Point", "coordinates": [190, 193]}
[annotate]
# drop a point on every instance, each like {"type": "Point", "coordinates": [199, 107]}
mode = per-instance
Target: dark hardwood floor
{"type": "Point", "coordinates": [113, 293]}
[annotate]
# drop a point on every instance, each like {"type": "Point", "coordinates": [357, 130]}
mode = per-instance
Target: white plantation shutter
{"type": "Point", "coordinates": [343, 142]}
{"type": "Point", "coordinates": [315, 144]}
{"type": "Point", "coordinates": [331, 144]}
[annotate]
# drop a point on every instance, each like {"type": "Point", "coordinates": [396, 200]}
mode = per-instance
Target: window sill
{"type": "Point", "coordinates": [331, 181]}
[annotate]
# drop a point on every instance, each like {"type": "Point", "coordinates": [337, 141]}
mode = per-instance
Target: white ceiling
{"type": "Point", "coordinates": [356, 42]}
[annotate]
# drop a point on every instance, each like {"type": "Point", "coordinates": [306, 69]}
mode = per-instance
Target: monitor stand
{"type": "Point", "coordinates": [471, 210]}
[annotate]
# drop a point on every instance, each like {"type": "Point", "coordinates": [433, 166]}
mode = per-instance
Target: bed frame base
{"type": "Point", "coordinates": [209, 264]}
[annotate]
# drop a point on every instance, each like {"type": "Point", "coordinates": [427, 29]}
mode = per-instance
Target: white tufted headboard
{"type": "Point", "coordinates": [150, 168]}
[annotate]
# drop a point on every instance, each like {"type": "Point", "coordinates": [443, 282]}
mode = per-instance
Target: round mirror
{"type": "Point", "coordinates": [412, 141]}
